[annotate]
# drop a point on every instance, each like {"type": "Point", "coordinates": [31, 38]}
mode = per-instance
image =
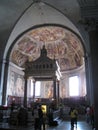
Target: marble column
{"type": "Point", "coordinates": [25, 91]}
{"type": "Point", "coordinates": [4, 90]}
{"type": "Point", "coordinates": [54, 88]}
{"type": "Point", "coordinates": [34, 91]}
{"type": "Point", "coordinates": [93, 35]}
{"type": "Point", "coordinates": [89, 88]}
{"type": "Point", "coordinates": [58, 96]}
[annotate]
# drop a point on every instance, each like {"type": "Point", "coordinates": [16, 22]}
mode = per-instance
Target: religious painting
{"type": "Point", "coordinates": [61, 44]}
{"type": "Point", "coordinates": [48, 89]}
{"type": "Point", "coordinates": [16, 85]}
{"type": "Point", "coordinates": [62, 88]}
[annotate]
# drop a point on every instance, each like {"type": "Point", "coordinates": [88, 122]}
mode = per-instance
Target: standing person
{"type": "Point", "coordinates": [92, 115]}
{"type": "Point", "coordinates": [73, 116]}
{"type": "Point", "coordinates": [41, 120]}
{"type": "Point", "coordinates": [36, 118]}
{"type": "Point", "coordinates": [88, 114]}
{"type": "Point", "coordinates": [76, 116]}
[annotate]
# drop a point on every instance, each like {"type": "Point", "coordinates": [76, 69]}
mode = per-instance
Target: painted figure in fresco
{"type": "Point", "coordinates": [11, 89]}
{"type": "Point", "coordinates": [50, 92]}
{"type": "Point", "coordinates": [19, 87]}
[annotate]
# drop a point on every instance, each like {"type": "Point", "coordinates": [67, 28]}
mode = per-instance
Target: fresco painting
{"type": "Point", "coordinates": [16, 85]}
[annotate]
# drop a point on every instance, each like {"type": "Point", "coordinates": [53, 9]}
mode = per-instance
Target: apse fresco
{"type": "Point", "coordinates": [47, 34]}
{"type": "Point", "coordinates": [19, 58]}
{"type": "Point", "coordinates": [61, 44]}
{"type": "Point", "coordinates": [16, 85]}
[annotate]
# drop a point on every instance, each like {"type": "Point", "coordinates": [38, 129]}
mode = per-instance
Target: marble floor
{"type": "Point", "coordinates": [63, 125]}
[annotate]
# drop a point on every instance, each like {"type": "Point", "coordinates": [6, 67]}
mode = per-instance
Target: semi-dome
{"type": "Point", "coordinates": [61, 44]}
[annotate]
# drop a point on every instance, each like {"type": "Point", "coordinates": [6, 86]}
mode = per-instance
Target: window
{"type": "Point", "coordinates": [37, 88]}
{"type": "Point", "coordinates": [74, 86]}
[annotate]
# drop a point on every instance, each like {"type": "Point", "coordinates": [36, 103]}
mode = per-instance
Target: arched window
{"type": "Point", "coordinates": [74, 86]}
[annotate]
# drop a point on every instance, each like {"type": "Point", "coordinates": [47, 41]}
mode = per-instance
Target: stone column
{"type": "Point", "coordinates": [89, 88]}
{"type": "Point", "coordinates": [34, 90]}
{"type": "Point", "coordinates": [93, 35]}
{"type": "Point", "coordinates": [54, 88]}
{"type": "Point", "coordinates": [54, 101]}
{"type": "Point", "coordinates": [58, 96]}
{"type": "Point", "coordinates": [4, 89]}
{"type": "Point", "coordinates": [25, 91]}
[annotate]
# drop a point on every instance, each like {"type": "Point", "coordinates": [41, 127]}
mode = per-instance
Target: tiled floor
{"type": "Point", "coordinates": [63, 125]}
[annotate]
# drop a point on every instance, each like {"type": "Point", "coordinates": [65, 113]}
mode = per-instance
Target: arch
{"type": "Point", "coordinates": [44, 25]}
{"type": "Point", "coordinates": [52, 16]}
{"type": "Point", "coordinates": [24, 25]}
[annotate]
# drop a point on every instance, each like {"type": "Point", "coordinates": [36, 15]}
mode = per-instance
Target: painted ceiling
{"type": "Point", "coordinates": [61, 44]}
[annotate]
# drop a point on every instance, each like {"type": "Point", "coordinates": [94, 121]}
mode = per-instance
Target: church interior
{"type": "Point", "coordinates": [48, 56]}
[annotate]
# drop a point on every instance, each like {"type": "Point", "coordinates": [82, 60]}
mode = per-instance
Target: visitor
{"type": "Point", "coordinates": [36, 117]}
{"type": "Point", "coordinates": [92, 115]}
{"type": "Point", "coordinates": [73, 116]}
{"type": "Point", "coordinates": [41, 119]}
{"type": "Point", "coordinates": [88, 114]}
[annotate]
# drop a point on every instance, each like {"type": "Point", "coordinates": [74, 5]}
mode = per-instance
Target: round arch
{"type": "Point", "coordinates": [52, 17]}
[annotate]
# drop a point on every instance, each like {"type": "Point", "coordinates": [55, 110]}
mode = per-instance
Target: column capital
{"type": "Point", "coordinates": [54, 77]}
{"type": "Point", "coordinates": [57, 81]}
{"type": "Point", "coordinates": [25, 76]}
